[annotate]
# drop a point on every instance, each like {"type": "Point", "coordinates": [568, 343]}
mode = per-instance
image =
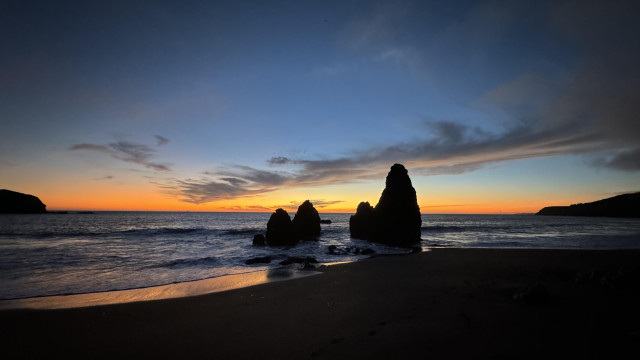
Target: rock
{"type": "Point", "coordinates": [367, 251]}
{"type": "Point", "coordinates": [259, 240]}
{"type": "Point", "coordinates": [280, 230]}
{"type": "Point", "coordinates": [322, 221]}
{"type": "Point", "coordinates": [331, 250]}
{"type": "Point", "coordinates": [259, 260]}
{"type": "Point", "coordinates": [306, 222]}
{"type": "Point", "coordinates": [12, 202]}
{"type": "Point", "coordinates": [396, 218]}
{"type": "Point", "coordinates": [299, 260]}
{"type": "Point", "coordinates": [362, 224]}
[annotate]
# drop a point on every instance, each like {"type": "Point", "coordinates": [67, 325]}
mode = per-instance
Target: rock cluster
{"type": "Point", "coordinates": [396, 219]}
{"type": "Point", "coordinates": [282, 231]}
{"type": "Point", "coordinates": [12, 202]}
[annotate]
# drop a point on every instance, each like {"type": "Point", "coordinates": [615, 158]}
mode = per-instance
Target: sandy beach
{"type": "Point", "coordinates": [443, 303]}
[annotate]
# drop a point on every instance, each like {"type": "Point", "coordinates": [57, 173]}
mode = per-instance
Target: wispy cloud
{"type": "Point", "coordinates": [204, 191]}
{"type": "Point", "coordinates": [106, 177]}
{"type": "Point", "coordinates": [590, 108]}
{"type": "Point", "coordinates": [161, 140]}
{"type": "Point", "coordinates": [127, 151]}
{"type": "Point", "coordinates": [291, 206]}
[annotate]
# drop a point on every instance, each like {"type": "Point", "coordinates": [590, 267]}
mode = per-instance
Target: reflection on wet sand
{"type": "Point", "coordinates": [192, 288]}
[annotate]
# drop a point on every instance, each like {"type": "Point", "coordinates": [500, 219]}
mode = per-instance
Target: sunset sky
{"type": "Point", "coordinates": [495, 106]}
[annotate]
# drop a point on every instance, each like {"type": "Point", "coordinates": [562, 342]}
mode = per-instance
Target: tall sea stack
{"type": "Point", "coordinates": [396, 218]}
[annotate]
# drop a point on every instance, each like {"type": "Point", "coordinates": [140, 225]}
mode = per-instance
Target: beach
{"type": "Point", "coordinates": [442, 303]}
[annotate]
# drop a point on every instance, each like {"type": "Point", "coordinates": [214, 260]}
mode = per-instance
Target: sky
{"type": "Point", "coordinates": [493, 106]}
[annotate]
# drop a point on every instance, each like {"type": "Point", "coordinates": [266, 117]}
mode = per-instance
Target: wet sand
{"type": "Point", "coordinates": [444, 303]}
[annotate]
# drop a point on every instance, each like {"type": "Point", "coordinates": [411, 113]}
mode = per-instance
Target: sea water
{"type": "Point", "coordinates": [55, 254]}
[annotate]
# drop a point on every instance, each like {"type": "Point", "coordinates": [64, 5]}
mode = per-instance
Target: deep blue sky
{"type": "Point", "coordinates": [235, 103]}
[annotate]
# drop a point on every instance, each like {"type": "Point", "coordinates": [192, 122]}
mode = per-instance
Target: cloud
{"type": "Point", "coordinates": [589, 106]}
{"type": "Point", "coordinates": [237, 181]}
{"type": "Point", "coordinates": [127, 151]}
{"type": "Point", "coordinates": [278, 160]}
{"type": "Point", "coordinates": [256, 208]}
{"type": "Point", "coordinates": [90, 147]}
{"type": "Point", "coordinates": [625, 160]}
{"type": "Point", "coordinates": [106, 177]}
{"type": "Point", "coordinates": [161, 140]}
{"type": "Point", "coordinates": [204, 191]}
{"type": "Point", "coordinates": [381, 35]}
{"type": "Point", "coordinates": [292, 206]}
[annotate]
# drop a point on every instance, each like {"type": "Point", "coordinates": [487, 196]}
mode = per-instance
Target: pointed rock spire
{"type": "Point", "coordinates": [396, 218]}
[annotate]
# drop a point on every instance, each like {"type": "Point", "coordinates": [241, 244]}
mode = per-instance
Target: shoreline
{"type": "Point", "coordinates": [157, 292]}
{"type": "Point", "coordinates": [443, 303]}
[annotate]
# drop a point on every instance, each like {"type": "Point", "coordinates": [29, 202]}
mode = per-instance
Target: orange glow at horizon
{"type": "Point", "coordinates": [436, 197]}
{"type": "Point", "coordinates": [134, 199]}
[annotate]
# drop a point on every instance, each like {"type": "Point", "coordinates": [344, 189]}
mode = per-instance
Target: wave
{"type": "Point", "coordinates": [247, 231]}
{"type": "Point", "coordinates": [443, 228]}
{"type": "Point", "coordinates": [127, 233]}
{"type": "Point", "coordinates": [186, 263]}
{"type": "Point", "coordinates": [164, 231]}
{"type": "Point", "coordinates": [493, 228]}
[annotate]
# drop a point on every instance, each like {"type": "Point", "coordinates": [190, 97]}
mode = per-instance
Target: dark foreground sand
{"type": "Point", "coordinates": [445, 303]}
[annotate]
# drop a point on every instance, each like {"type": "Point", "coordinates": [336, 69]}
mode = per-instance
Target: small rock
{"type": "Point", "coordinates": [299, 260]}
{"type": "Point", "coordinates": [367, 251]}
{"type": "Point", "coordinates": [259, 240]}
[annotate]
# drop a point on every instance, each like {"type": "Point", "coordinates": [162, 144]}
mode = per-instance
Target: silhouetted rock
{"type": "Point", "coordinates": [362, 224]}
{"type": "Point", "coordinates": [627, 205]}
{"type": "Point", "coordinates": [306, 222]}
{"type": "Point", "coordinates": [259, 240]}
{"type": "Point", "coordinates": [259, 260]}
{"type": "Point", "coordinates": [299, 260]}
{"type": "Point", "coordinates": [322, 221]}
{"type": "Point", "coordinates": [280, 230]}
{"type": "Point", "coordinates": [367, 251]}
{"type": "Point", "coordinates": [396, 218]}
{"type": "Point", "coordinates": [12, 202]}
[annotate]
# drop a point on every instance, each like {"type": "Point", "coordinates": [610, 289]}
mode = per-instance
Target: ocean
{"type": "Point", "coordinates": [74, 253]}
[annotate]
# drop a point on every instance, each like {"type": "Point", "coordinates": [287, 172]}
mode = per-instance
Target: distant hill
{"type": "Point", "coordinates": [12, 202]}
{"type": "Point", "coordinates": [627, 206]}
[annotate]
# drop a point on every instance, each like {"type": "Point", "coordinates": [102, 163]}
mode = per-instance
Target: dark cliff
{"type": "Point", "coordinates": [627, 206]}
{"type": "Point", "coordinates": [12, 202]}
